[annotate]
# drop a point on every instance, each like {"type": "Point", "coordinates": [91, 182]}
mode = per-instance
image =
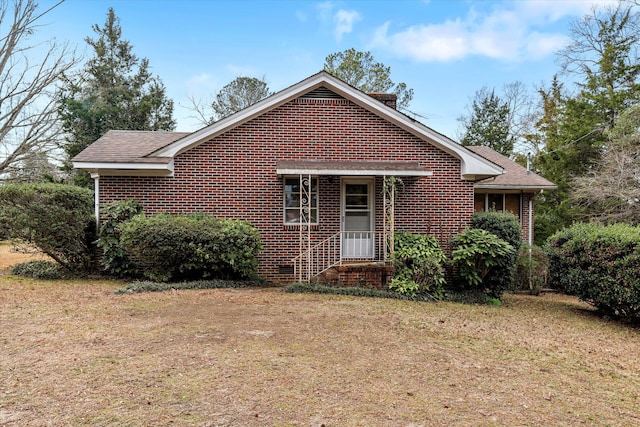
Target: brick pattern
{"type": "Point", "coordinates": [377, 276]}
{"type": "Point", "coordinates": [234, 176]}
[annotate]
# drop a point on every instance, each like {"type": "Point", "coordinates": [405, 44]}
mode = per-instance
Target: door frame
{"type": "Point", "coordinates": [371, 183]}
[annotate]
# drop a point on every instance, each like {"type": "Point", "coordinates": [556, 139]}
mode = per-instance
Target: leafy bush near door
{"type": "Point", "coordinates": [115, 259]}
{"type": "Point", "coordinates": [506, 226]}
{"type": "Point", "coordinates": [479, 255]}
{"type": "Point", "coordinates": [419, 266]}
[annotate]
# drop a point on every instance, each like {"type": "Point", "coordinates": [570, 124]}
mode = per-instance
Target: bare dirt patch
{"type": "Point", "coordinates": [9, 257]}
{"type": "Point", "coordinates": [73, 353]}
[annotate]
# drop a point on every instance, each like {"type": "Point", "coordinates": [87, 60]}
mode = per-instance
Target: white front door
{"type": "Point", "coordinates": [357, 218]}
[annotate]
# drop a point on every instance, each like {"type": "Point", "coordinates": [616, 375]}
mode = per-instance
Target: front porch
{"type": "Point", "coordinates": [347, 258]}
{"type": "Point", "coordinates": [360, 249]}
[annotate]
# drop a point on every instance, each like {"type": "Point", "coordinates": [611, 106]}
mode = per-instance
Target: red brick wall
{"type": "Point", "coordinates": [234, 176]}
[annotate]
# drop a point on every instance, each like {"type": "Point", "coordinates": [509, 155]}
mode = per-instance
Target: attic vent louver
{"type": "Point", "coordinates": [321, 93]}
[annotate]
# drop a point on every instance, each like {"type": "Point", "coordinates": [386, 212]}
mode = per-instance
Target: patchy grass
{"type": "Point", "coordinates": [75, 353]}
{"type": "Point", "coordinates": [147, 286]}
{"type": "Point", "coordinates": [9, 256]}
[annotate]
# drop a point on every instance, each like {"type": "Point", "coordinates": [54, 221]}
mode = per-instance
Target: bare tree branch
{"type": "Point", "coordinates": [610, 192]}
{"type": "Point", "coordinates": [28, 95]}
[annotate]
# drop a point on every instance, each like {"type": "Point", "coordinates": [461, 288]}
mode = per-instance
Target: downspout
{"type": "Point", "coordinates": [530, 237]}
{"type": "Point", "coordinates": [96, 198]}
{"type": "Point", "coordinates": [530, 222]}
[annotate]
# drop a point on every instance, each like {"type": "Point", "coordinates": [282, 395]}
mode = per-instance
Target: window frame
{"type": "Point", "coordinates": [487, 208]}
{"type": "Point", "coordinates": [314, 195]}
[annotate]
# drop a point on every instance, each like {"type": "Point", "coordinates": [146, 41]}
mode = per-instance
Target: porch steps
{"type": "Point", "coordinates": [370, 274]}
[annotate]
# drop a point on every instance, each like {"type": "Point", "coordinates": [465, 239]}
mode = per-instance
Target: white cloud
{"type": "Point", "coordinates": [537, 46]}
{"type": "Point", "coordinates": [509, 31]}
{"type": "Point", "coordinates": [344, 20]}
{"type": "Point", "coordinates": [324, 11]}
{"type": "Point", "coordinates": [301, 16]}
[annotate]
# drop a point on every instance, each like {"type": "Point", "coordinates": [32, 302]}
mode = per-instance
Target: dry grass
{"type": "Point", "coordinates": [73, 353]}
{"type": "Point", "coordinates": [9, 256]}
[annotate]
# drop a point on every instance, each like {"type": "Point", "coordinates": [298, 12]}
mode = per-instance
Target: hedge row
{"type": "Point", "coordinates": [182, 247]}
{"type": "Point", "coordinates": [599, 264]}
{"type": "Point", "coordinates": [57, 219]}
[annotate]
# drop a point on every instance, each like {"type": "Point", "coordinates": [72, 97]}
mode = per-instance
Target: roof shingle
{"type": "Point", "coordinates": [516, 177]}
{"type": "Point", "coordinates": [127, 146]}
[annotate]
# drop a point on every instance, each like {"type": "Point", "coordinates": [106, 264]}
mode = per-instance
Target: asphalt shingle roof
{"type": "Point", "coordinates": [515, 176]}
{"type": "Point", "coordinates": [128, 146]}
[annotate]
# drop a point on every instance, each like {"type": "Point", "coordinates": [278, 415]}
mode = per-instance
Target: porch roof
{"type": "Point", "coordinates": [352, 168]}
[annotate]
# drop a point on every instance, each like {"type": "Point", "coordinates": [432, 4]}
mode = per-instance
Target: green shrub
{"type": "Point", "coordinates": [57, 219]}
{"type": "Point", "coordinates": [177, 247]}
{"type": "Point", "coordinates": [471, 296]}
{"type": "Point", "coordinates": [4, 231]}
{"type": "Point", "coordinates": [599, 264]}
{"type": "Point", "coordinates": [562, 253]}
{"type": "Point", "coordinates": [531, 270]}
{"type": "Point", "coordinates": [40, 269]}
{"type": "Point", "coordinates": [419, 266]}
{"type": "Point", "coordinates": [478, 254]}
{"type": "Point", "coordinates": [506, 226]}
{"type": "Point", "coordinates": [115, 259]}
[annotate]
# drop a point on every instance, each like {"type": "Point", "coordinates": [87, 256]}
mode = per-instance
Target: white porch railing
{"type": "Point", "coordinates": [338, 249]}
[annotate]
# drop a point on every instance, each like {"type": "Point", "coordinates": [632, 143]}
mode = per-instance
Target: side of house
{"type": "Point", "coordinates": [306, 167]}
{"type": "Point", "coordinates": [513, 191]}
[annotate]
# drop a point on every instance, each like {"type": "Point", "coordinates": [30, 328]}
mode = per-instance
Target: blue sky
{"type": "Point", "coordinates": [444, 50]}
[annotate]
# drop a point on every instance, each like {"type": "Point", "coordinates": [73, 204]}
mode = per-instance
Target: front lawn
{"type": "Point", "coordinates": [75, 353]}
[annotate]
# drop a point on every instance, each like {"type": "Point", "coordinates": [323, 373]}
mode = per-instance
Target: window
{"type": "Point", "coordinates": [512, 204]}
{"type": "Point", "coordinates": [497, 202]}
{"type": "Point", "coordinates": [295, 191]}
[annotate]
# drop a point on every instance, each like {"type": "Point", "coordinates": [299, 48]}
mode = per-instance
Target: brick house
{"type": "Point", "coordinates": [514, 191]}
{"type": "Point", "coordinates": [307, 167]}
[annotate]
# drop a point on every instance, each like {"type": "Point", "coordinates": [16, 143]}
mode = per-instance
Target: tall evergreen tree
{"type": "Point", "coordinates": [603, 55]}
{"type": "Point", "coordinates": [115, 91]}
{"type": "Point", "coordinates": [488, 123]}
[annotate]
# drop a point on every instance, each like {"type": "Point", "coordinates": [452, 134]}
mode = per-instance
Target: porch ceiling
{"type": "Point", "coordinates": [353, 168]}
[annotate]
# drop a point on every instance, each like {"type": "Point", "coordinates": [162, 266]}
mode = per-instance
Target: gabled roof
{"type": "Point", "coordinates": [474, 166]}
{"type": "Point", "coordinates": [515, 177]}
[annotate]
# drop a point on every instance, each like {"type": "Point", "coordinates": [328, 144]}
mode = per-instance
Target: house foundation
{"type": "Point", "coordinates": [376, 275]}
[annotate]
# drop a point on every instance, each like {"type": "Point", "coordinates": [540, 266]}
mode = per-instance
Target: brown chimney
{"type": "Point", "coordinates": [389, 99]}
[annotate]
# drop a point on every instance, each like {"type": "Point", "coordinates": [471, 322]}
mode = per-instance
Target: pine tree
{"type": "Point", "coordinates": [488, 123]}
{"type": "Point", "coordinates": [604, 57]}
{"type": "Point", "coordinates": [115, 91]}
